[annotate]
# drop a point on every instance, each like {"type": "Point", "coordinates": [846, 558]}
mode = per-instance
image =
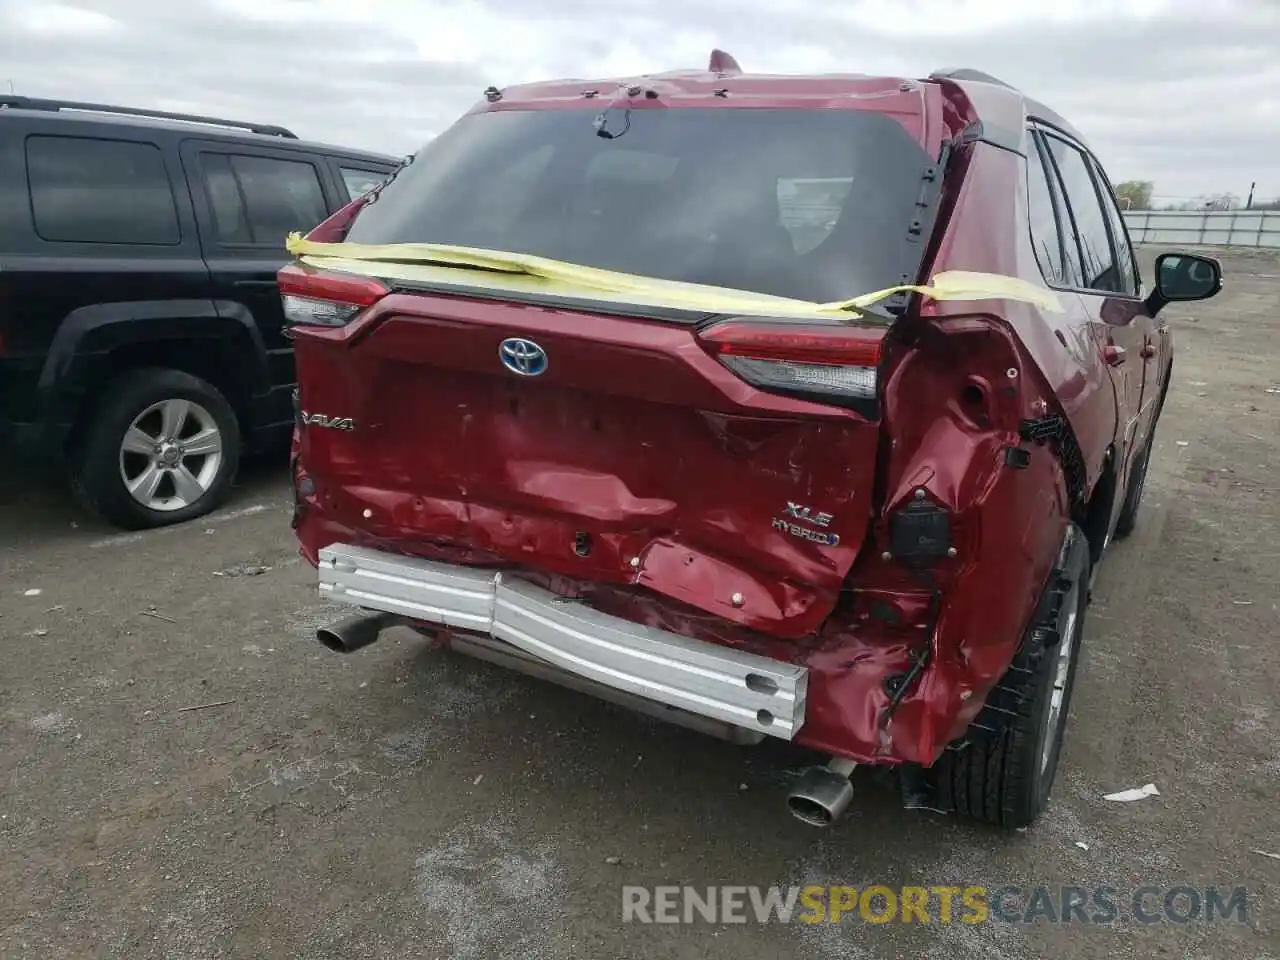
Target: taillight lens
{"type": "Point", "coordinates": [830, 360]}
{"type": "Point", "coordinates": [325, 298]}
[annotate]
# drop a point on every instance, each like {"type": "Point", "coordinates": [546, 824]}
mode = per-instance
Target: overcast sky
{"type": "Point", "coordinates": [1185, 93]}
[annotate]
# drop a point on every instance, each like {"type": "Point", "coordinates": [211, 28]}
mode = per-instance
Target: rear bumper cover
{"type": "Point", "coordinates": [742, 689]}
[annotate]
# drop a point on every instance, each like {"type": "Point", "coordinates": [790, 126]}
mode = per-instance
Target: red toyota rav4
{"type": "Point", "coordinates": [795, 407]}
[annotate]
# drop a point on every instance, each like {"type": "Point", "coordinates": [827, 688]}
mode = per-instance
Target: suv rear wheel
{"type": "Point", "coordinates": [160, 447]}
{"type": "Point", "coordinates": [1005, 778]}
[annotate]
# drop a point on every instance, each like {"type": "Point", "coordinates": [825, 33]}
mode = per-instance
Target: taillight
{"type": "Point", "coordinates": [830, 361]}
{"type": "Point", "coordinates": [325, 298]}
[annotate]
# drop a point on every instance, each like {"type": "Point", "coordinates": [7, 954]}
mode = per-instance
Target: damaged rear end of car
{"type": "Point", "coordinates": [575, 398]}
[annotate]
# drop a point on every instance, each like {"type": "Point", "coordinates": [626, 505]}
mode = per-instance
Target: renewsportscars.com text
{"type": "Point", "coordinates": [970, 904]}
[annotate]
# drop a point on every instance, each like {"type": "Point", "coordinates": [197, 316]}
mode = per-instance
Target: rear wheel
{"type": "Point", "coordinates": [161, 447]}
{"type": "Point", "coordinates": [1004, 776]}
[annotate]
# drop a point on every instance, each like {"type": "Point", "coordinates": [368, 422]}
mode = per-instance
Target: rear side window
{"type": "Point", "coordinates": [359, 182]}
{"type": "Point", "coordinates": [1088, 218]}
{"type": "Point", "coordinates": [1043, 213]}
{"type": "Point", "coordinates": [261, 200]}
{"type": "Point", "coordinates": [815, 204]}
{"type": "Point", "coordinates": [85, 190]}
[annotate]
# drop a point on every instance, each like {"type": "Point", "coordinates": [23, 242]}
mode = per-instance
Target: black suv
{"type": "Point", "coordinates": [141, 331]}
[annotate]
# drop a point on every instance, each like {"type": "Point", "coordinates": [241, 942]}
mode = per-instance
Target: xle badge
{"type": "Point", "coordinates": [799, 521]}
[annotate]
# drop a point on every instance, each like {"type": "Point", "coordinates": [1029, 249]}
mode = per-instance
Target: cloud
{"type": "Point", "coordinates": [1183, 93]}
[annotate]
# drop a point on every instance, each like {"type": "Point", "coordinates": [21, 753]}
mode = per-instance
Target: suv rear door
{"type": "Point", "coordinates": [247, 200]}
{"type": "Point", "coordinates": [1103, 271]}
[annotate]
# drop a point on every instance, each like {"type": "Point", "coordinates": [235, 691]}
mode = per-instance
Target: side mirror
{"type": "Point", "coordinates": [1183, 277]}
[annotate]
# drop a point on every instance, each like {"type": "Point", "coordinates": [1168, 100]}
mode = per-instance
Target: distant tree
{"type": "Point", "coordinates": [1135, 194]}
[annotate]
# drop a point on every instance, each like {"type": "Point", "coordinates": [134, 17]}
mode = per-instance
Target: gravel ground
{"type": "Point", "coordinates": [403, 803]}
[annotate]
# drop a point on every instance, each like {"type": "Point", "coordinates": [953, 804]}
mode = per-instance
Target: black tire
{"type": "Point", "coordinates": [97, 458]}
{"type": "Point", "coordinates": [1128, 519]}
{"type": "Point", "coordinates": [1001, 776]}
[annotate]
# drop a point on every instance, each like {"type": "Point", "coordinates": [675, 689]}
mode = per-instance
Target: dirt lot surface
{"type": "Point", "coordinates": [402, 803]}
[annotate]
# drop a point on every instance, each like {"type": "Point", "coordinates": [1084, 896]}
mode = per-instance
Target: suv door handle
{"type": "Point", "coordinates": [1113, 355]}
{"type": "Point", "coordinates": [1148, 350]}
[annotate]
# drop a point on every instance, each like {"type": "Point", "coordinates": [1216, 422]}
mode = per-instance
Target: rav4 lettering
{"type": "Point", "coordinates": [331, 423]}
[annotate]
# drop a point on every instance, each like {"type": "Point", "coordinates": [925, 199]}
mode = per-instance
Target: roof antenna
{"type": "Point", "coordinates": [722, 62]}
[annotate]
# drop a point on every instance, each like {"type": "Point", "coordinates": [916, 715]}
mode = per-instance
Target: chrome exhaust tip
{"type": "Point", "coordinates": [822, 794]}
{"type": "Point", "coordinates": [354, 633]}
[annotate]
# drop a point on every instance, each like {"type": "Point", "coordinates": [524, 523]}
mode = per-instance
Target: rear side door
{"type": "Point", "coordinates": [1105, 275]}
{"type": "Point", "coordinates": [247, 200]}
{"type": "Point", "coordinates": [1155, 345]}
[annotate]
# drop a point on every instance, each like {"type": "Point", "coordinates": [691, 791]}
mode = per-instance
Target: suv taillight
{"type": "Point", "coordinates": [819, 361]}
{"type": "Point", "coordinates": [325, 298]}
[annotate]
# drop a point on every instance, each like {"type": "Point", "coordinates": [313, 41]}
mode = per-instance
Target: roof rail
{"type": "Point", "coordinates": [722, 62]}
{"type": "Point", "coordinates": [967, 73]}
{"type": "Point", "coordinates": [35, 103]}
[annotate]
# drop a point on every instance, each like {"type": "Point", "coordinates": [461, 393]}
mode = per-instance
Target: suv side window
{"type": "Point", "coordinates": [261, 200]}
{"type": "Point", "coordinates": [86, 190]}
{"type": "Point", "coordinates": [359, 182]}
{"type": "Point", "coordinates": [1087, 216]}
{"type": "Point", "coordinates": [1126, 262]}
{"type": "Point", "coordinates": [1044, 215]}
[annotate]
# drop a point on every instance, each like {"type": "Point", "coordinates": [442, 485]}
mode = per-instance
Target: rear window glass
{"type": "Point", "coordinates": [100, 191]}
{"type": "Point", "coordinates": [813, 204]}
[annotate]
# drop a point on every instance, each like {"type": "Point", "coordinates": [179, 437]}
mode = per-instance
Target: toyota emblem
{"type": "Point", "coordinates": [522, 357]}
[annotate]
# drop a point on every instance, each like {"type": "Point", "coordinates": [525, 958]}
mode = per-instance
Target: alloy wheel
{"type": "Point", "coordinates": [171, 454]}
{"type": "Point", "coordinates": [1064, 654]}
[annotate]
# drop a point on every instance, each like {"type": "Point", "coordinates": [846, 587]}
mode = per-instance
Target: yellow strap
{"type": "Point", "coordinates": [963, 285]}
{"type": "Point", "coordinates": [951, 285]}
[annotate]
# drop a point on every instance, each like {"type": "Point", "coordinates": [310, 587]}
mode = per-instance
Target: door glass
{"type": "Point", "coordinates": [1125, 261]}
{"type": "Point", "coordinates": [231, 223]}
{"type": "Point", "coordinates": [261, 200]}
{"type": "Point", "coordinates": [1100, 271]}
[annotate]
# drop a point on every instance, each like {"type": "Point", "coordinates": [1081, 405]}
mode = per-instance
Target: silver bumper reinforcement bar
{"type": "Point", "coordinates": [740, 689]}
